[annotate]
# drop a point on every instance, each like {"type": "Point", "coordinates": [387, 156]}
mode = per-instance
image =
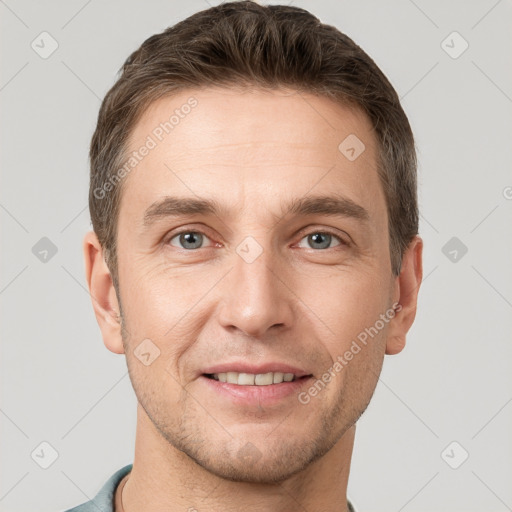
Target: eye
{"type": "Point", "coordinates": [322, 240]}
{"type": "Point", "coordinates": [189, 239]}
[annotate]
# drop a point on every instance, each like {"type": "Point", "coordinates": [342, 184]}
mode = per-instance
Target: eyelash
{"type": "Point", "coordinates": [315, 232]}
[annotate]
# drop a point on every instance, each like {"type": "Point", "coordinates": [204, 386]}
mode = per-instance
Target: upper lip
{"type": "Point", "coordinates": [244, 367]}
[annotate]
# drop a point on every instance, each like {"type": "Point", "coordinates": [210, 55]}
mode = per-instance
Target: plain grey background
{"type": "Point", "coordinates": [446, 396]}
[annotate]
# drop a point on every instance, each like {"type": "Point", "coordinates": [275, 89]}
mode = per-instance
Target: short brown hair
{"type": "Point", "coordinates": [244, 43]}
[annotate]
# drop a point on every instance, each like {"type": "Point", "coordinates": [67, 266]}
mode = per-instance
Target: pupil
{"type": "Point", "coordinates": [315, 237]}
{"type": "Point", "coordinates": [190, 238]}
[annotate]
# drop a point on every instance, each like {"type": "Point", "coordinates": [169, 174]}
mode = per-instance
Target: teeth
{"type": "Point", "coordinates": [232, 377]}
{"type": "Point", "coordinates": [264, 379]}
{"type": "Point", "coordinates": [278, 377]}
{"type": "Point", "coordinates": [250, 379]}
{"type": "Point", "coordinates": [246, 379]}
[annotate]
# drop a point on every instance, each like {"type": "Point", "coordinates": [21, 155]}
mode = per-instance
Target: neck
{"type": "Point", "coordinates": [164, 478]}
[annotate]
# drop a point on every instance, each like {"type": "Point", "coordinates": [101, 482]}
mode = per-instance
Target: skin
{"type": "Point", "coordinates": [297, 302]}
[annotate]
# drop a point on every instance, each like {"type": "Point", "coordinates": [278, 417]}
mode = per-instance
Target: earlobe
{"type": "Point", "coordinates": [407, 285]}
{"type": "Point", "coordinates": [103, 294]}
{"type": "Point", "coordinates": [395, 345]}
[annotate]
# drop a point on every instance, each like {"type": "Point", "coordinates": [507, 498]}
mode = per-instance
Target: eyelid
{"type": "Point", "coordinates": [302, 233]}
{"type": "Point", "coordinates": [347, 241]}
{"type": "Point", "coordinates": [188, 229]}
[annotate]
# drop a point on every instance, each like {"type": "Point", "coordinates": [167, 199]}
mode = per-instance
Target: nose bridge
{"type": "Point", "coordinates": [255, 299]}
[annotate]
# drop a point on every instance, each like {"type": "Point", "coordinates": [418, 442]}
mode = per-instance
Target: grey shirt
{"type": "Point", "coordinates": [104, 500]}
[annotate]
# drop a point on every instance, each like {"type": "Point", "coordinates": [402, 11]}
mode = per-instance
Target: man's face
{"type": "Point", "coordinates": [256, 283]}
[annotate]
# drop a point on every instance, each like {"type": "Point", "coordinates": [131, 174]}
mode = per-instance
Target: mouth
{"type": "Point", "coordinates": [255, 390]}
{"type": "Point", "coordinates": [248, 385]}
{"type": "Point", "coordinates": [255, 379]}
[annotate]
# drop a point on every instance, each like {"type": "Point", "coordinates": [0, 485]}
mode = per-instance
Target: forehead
{"type": "Point", "coordinates": [250, 148]}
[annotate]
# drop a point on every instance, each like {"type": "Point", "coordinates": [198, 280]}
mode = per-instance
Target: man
{"type": "Point", "coordinates": [254, 256]}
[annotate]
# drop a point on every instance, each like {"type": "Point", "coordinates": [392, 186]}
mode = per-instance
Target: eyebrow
{"type": "Point", "coordinates": [332, 205]}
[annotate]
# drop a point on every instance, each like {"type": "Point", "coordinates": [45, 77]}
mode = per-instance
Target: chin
{"type": "Point", "coordinates": [270, 462]}
{"type": "Point", "coordinates": [267, 471]}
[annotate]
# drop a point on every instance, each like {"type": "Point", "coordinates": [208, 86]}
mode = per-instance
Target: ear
{"type": "Point", "coordinates": [103, 294]}
{"type": "Point", "coordinates": [407, 286]}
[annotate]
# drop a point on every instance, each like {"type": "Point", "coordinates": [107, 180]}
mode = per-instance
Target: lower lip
{"type": "Point", "coordinates": [256, 395]}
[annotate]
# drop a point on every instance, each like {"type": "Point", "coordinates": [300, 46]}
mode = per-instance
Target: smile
{"type": "Point", "coordinates": [252, 379]}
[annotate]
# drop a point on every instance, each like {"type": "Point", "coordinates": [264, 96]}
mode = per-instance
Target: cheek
{"type": "Point", "coordinates": [350, 301]}
{"type": "Point", "coordinates": [164, 305]}
{"type": "Point", "coordinates": [356, 339]}
{"type": "Point", "coordinates": [355, 334]}
{"type": "Point", "coordinates": [152, 297]}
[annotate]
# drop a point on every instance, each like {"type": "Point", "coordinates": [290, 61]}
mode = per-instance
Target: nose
{"type": "Point", "coordinates": [256, 297]}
